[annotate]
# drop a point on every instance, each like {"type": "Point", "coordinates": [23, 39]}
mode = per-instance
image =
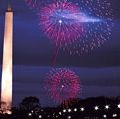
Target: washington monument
{"type": "Point", "coordinates": [6, 82]}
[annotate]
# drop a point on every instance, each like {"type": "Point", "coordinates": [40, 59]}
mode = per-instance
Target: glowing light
{"type": "Point", "coordinates": [82, 109]}
{"type": "Point", "coordinates": [60, 113]}
{"type": "Point", "coordinates": [107, 107]}
{"type": "Point", "coordinates": [114, 115]}
{"type": "Point", "coordinates": [64, 110]}
{"type": "Point", "coordinates": [75, 109]}
{"type": "Point", "coordinates": [105, 116]}
{"type": "Point", "coordinates": [40, 116]}
{"type": "Point", "coordinates": [62, 85]}
{"type": "Point", "coordinates": [118, 105]}
{"type": "Point", "coordinates": [69, 117]}
{"type": "Point", "coordinates": [30, 114]}
{"type": "Point", "coordinates": [8, 112]}
{"type": "Point", "coordinates": [60, 21]}
{"type": "Point", "coordinates": [69, 110]}
{"type": "Point", "coordinates": [96, 107]}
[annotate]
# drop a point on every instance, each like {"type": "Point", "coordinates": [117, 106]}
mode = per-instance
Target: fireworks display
{"type": "Point", "coordinates": [77, 27]}
{"type": "Point", "coordinates": [33, 3]}
{"type": "Point", "coordinates": [36, 4]}
{"type": "Point", "coordinates": [62, 84]}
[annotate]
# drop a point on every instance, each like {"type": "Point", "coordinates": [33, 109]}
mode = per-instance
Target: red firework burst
{"type": "Point", "coordinates": [62, 85]}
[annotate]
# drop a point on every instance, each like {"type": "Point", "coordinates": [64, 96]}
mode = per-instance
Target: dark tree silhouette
{"type": "Point", "coordinates": [29, 103]}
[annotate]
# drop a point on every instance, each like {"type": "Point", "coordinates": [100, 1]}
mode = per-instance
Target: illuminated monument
{"type": "Point", "coordinates": [6, 82]}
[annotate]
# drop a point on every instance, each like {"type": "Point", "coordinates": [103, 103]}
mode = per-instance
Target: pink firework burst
{"type": "Point", "coordinates": [62, 84]}
{"type": "Point", "coordinates": [57, 21]}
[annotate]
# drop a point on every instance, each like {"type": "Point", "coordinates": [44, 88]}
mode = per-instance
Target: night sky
{"type": "Point", "coordinates": [99, 70]}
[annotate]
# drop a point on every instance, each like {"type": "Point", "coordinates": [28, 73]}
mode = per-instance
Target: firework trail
{"type": "Point", "coordinates": [62, 84]}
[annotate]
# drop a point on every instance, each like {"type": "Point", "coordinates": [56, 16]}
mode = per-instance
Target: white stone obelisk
{"type": "Point", "coordinates": [6, 82]}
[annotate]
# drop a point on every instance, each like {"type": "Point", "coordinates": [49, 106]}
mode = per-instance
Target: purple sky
{"type": "Point", "coordinates": [99, 70]}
